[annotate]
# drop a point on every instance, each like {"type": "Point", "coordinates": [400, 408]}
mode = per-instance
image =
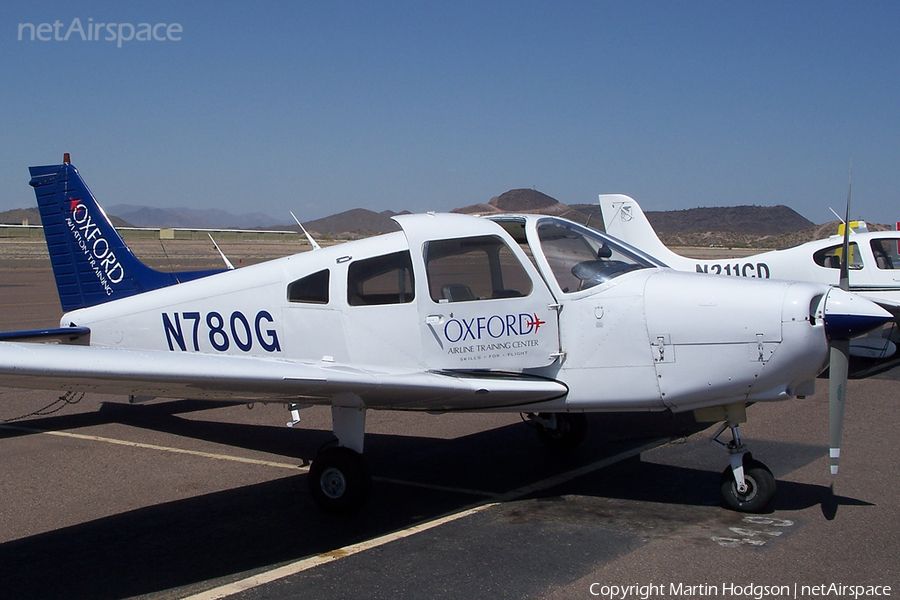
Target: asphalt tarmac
{"type": "Point", "coordinates": [177, 499]}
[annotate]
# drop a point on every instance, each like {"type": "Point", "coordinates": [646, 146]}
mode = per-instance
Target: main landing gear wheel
{"type": "Point", "coordinates": [339, 480]}
{"type": "Point", "coordinates": [760, 487]}
{"type": "Point", "coordinates": [566, 434]}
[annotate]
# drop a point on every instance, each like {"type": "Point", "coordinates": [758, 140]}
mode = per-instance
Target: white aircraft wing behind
{"type": "Point", "coordinates": [204, 376]}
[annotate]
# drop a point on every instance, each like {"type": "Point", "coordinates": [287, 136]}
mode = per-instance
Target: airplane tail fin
{"type": "Point", "coordinates": [624, 219]}
{"type": "Point", "coordinates": [91, 262]}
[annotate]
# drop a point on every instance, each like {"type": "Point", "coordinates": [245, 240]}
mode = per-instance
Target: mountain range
{"type": "Point", "coordinates": [757, 226]}
{"type": "Point", "coordinates": [192, 218]}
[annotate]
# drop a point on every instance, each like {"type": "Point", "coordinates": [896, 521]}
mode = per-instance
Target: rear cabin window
{"type": "Point", "coordinates": [384, 279]}
{"type": "Point", "coordinates": [477, 268]}
{"type": "Point", "coordinates": [830, 257]}
{"type": "Point", "coordinates": [312, 289]}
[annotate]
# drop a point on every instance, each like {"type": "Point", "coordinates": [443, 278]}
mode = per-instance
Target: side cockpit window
{"type": "Point", "coordinates": [476, 268]}
{"type": "Point", "coordinates": [312, 289]}
{"type": "Point", "coordinates": [384, 279]}
{"type": "Point", "coordinates": [582, 258]}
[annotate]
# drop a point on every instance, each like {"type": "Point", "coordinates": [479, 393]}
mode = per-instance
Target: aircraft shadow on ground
{"type": "Point", "coordinates": [240, 530]}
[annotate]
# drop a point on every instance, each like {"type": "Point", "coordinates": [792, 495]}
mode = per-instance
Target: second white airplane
{"type": "Point", "coordinates": [874, 266]}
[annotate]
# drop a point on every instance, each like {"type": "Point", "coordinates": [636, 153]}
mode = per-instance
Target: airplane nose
{"type": "Point", "coordinates": [848, 315]}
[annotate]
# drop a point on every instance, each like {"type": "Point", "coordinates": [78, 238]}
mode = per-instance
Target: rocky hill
{"type": "Point", "coordinates": [755, 220]}
{"type": "Point", "coordinates": [517, 201]}
{"type": "Point", "coordinates": [358, 222]}
{"type": "Point", "coordinates": [728, 226]}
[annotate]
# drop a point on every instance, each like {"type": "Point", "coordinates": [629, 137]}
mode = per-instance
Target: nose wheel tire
{"type": "Point", "coordinates": [339, 480]}
{"type": "Point", "coordinates": [760, 488]}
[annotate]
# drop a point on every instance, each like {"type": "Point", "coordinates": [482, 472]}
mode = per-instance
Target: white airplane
{"type": "Point", "coordinates": [516, 313]}
{"type": "Point", "coordinates": [874, 256]}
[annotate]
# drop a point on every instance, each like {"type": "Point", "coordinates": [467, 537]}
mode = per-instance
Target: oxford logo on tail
{"type": "Point", "coordinates": [95, 247]}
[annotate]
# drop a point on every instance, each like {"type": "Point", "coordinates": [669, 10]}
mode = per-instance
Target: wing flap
{"type": "Point", "coordinates": [226, 377]}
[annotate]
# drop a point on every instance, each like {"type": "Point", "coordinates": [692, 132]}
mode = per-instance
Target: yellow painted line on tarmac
{"type": "Point", "coordinates": [129, 444]}
{"type": "Point", "coordinates": [333, 555]}
{"type": "Point", "coordinates": [327, 557]}
{"type": "Point", "coordinates": [249, 461]}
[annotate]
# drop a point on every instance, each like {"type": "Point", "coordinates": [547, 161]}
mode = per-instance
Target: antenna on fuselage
{"type": "Point", "coordinates": [222, 254]}
{"type": "Point", "coordinates": [834, 212]}
{"type": "Point", "coordinates": [315, 245]}
{"type": "Point", "coordinates": [840, 218]}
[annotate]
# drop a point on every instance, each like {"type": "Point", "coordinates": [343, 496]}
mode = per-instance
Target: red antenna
{"type": "Point", "coordinates": [66, 158]}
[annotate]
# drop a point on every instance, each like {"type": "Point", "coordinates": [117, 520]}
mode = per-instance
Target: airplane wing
{"type": "Point", "coordinates": [202, 376]}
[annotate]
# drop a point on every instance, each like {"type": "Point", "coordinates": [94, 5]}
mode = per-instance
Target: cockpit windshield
{"type": "Point", "coordinates": [582, 258]}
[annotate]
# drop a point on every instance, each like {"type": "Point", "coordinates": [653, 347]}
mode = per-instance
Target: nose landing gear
{"type": "Point", "coordinates": [747, 485]}
{"type": "Point", "coordinates": [560, 432]}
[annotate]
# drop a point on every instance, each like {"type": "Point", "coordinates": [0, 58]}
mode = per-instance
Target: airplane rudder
{"type": "Point", "coordinates": [90, 261]}
{"type": "Point", "coordinates": [625, 219]}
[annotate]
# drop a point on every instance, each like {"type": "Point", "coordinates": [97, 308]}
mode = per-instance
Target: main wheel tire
{"type": "Point", "coordinates": [760, 487]}
{"type": "Point", "coordinates": [570, 431]}
{"type": "Point", "coordinates": [339, 480]}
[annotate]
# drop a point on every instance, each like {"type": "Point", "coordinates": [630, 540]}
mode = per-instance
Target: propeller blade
{"type": "Point", "coordinates": [837, 397]}
{"type": "Point", "coordinates": [839, 362]}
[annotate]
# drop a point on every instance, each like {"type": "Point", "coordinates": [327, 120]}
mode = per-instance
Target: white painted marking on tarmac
{"type": "Point", "coordinates": [333, 555]}
{"type": "Point", "coordinates": [729, 542]}
{"type": "Point", "coordinates": [117, 442]}
{"type": "Point", "coordinates": [749, 535]}
{"type": "Point", "coordinates": [756, 520]}
{"type": "Point", "coordinates": [753, 532]}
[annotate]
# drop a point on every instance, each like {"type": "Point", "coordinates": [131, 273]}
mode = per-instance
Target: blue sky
{"type": "Point", "coordinates": [319, 107]}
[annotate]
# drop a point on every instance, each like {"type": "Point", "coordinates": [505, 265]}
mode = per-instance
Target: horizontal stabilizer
{"type": "Point", "coordinates": [64, 335]}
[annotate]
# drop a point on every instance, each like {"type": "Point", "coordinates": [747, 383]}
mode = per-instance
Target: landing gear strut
{"type": "Point", "coordinates": [339, 478]}
{"type": "Point", "coordinates": [747, 485]}
{"type": "Point", "coordinates": [561, 432]}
